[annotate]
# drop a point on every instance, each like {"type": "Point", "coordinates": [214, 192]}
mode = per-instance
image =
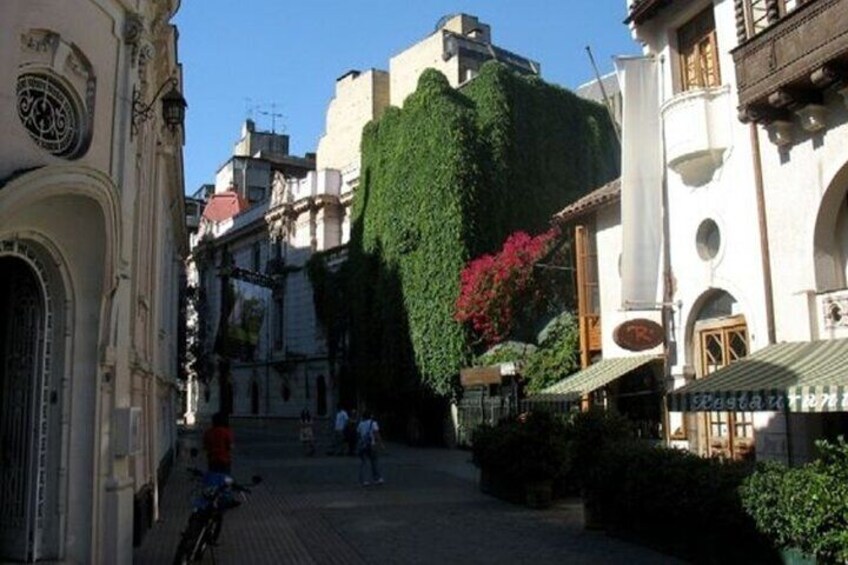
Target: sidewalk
{"type": "Point", "coordinates": [312, 510]}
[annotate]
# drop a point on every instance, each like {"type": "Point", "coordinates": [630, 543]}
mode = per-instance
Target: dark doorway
{"type": "Point", "coordinates": [254, 398]}
{"type": "Point", "coordinates": [321, 387]}
{"type": "Point", "coordinates": [21, 339]}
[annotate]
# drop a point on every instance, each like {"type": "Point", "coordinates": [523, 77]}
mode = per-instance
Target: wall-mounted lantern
{"type": "Point", "coordinates": [173, 107]}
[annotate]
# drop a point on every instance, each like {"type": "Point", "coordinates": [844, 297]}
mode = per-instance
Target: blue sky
{"type": "Point", "coordinates": [243, 54]}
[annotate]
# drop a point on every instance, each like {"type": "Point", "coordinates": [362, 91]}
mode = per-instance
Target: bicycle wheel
{"type": "Point", "coordinates": [193, 541]}
{"type": "Point", "coordinates": [216, 522]}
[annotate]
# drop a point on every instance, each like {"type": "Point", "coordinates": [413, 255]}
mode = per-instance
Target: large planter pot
{"type": "Point", "coordinates": [487, 481]}
{"type": "Point", "coordinates": [539, 494]}
{"type": "Point", "coordinates": [495, 484]}
{"type": "Point", "coordinates": [592, 513]}
{"type": "Point", "coordinates": [794, 556]}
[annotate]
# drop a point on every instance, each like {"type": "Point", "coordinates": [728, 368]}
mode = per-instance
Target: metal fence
{"type": "Point", "coordinates": [478, 406]}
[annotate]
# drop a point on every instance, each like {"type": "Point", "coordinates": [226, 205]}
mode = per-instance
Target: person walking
{"type": "Point", "coordinates": [339, 431]}
{"type": "Point", "coordinates": [350, 432]}
{"type": "Point", "coordinates": [218, 444]}
{"type": "Point", "coordinates": [369, 439]}
{"type": "Point", "coordinates": [307, 434]}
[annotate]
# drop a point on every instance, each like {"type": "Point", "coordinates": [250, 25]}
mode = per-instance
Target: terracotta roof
{"type": "Point", "coordinates": [643, 10]}
{"type": "Point", "coordinates": [224, 205]}
{"type": "Point", "coordinates": [607, 194]}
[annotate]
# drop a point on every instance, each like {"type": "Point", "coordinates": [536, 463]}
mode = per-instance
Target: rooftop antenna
{"type": "Point", "coordinates": [249, 108]}
{"type": "Point", "coordinates": [274, 115]}
{"type": "Point", "coordinates": [607, 103]}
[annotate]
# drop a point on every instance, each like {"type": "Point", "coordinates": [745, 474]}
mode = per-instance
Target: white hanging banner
{"type": "Point", "coordinates": [641, 182]}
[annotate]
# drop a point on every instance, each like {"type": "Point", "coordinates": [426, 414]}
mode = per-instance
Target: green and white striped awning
{"type": "Point", "coordinates": [593, 377]}
{"type": "Point", "coordinates": [810, 376]}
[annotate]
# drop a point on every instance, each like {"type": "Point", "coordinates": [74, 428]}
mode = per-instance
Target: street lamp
{"type": "Point", "coordinates": [173, 107]}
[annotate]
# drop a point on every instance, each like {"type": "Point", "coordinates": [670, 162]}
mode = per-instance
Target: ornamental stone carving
{"type": "Point", "coordinates": [55, 93]}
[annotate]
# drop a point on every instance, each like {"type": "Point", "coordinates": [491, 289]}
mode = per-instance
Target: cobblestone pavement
{"type": "Point", "coordinates": [312, 510]}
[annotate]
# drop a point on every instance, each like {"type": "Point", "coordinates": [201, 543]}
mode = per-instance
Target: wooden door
{"type": "Point", "coordinates": [729, 434]}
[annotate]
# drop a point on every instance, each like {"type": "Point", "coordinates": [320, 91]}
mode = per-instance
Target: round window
{"type": "Point", "coordinates": [708, 240]}
{"type": "Point", "coordinates": [51, 114]}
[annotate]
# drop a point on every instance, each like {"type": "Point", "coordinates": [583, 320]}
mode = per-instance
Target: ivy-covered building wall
{"type": "Point", "coordinates": [444, 180]}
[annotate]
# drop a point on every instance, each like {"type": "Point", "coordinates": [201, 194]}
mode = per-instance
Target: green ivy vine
{"type": "Point", "coordinates": [445, 179]}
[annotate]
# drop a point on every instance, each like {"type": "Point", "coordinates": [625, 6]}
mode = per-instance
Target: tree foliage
{"type": "Point", "coordinates": [556, 356]}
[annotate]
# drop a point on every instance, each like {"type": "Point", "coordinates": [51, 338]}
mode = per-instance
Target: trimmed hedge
{"type": "Point", "coordinates": [676, 500]}
{"type": "Point", "coordinates": [443, 180]}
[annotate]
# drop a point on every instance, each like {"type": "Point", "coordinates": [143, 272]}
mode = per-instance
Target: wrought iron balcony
{"type": "Point", "coordinates": [784, 64]}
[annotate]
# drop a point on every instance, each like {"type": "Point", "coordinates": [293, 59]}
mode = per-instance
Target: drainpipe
{"type": "Point", "coordinates": [766, 262]}
{"type": "Point", "coordinates": [763, 225]}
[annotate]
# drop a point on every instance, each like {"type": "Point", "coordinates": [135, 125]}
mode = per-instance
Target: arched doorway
{"type": "Point", "coordinates": [24, 365]}
{"type": "Point", "coordinates": [720, 337]}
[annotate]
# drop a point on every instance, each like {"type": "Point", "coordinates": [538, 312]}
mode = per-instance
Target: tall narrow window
{"type": "Point", "coordinates": [279, 322]}
{"type": "Point", "coordinates": [588, 295]}
{"type": "Point", "coordinates": [756, 16]}
{"type": "Point", "coordinates": [698, 49]}
{"type": "Point", "coordinates": [257, 256]}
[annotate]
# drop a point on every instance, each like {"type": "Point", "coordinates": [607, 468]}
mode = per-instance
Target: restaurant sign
{"type": "Point", "coordinates": [638, 335]}
{"type": "Point", "coordinates": [480, 376]}
{"type": "Point", "coordinates": [771, 400]}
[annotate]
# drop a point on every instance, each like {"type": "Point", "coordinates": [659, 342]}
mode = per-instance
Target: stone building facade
{"type": "Point", "coordinates": [92, 240]}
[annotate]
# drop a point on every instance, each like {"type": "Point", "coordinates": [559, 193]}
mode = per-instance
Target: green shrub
{"type": "Point", "coordinates": [523, 450]}
{"type": "Point", "coordinates": [505, 352]}
{"type": "Point", "coordinates": [588, 434]}
{"type": "Point", "coordinates": [803, 507]}
{"type": "Point", "coordinates": [557, 354]}
{"type": "Point", "coordinates": [675, 498]}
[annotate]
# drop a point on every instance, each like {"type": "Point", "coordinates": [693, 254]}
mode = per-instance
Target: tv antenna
{"type": "Point", "coordinates": [273, 115]}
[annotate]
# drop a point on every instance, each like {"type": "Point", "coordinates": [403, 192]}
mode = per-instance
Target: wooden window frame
{"type": "Point", "coordinates": [705, 18]}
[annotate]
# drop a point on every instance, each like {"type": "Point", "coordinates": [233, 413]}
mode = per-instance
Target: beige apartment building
{"type": "Point", "coordinates": [92, 240]}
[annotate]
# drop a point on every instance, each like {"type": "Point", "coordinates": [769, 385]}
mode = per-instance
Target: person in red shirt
{"type": "Point", "coordinates": [218, 443]}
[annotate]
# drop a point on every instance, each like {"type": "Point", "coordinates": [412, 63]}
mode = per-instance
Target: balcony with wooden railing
{"type": "Point", "coordinates": [790, 52]}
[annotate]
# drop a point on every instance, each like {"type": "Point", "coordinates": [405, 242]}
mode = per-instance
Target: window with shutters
{"type": "Point", "coordinates": [698, 51]}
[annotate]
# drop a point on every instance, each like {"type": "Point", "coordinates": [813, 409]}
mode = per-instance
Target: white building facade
{"type": "Point", "coordinates": [258, 247]}
{"type": "Point", "coordinates": [754, 190]}
{"type": "Point", "coordinates": [92, 239]}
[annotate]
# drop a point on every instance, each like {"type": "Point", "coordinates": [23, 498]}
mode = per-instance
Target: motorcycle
{"type": "Point", "coordinates": [218, 493]}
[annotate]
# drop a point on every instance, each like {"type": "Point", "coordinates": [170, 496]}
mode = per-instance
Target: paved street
{"type": "Point", "coordinates": [312, 510]}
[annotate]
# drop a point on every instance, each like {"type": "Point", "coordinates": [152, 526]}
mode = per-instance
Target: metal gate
{"type": "Point", "coordinates": [24, 361]}
{"type": "Point", "coordinates": [478, 407]}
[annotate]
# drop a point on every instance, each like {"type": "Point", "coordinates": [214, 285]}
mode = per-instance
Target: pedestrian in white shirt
{"type": "Point", "coordinates": [368, 434]}
{"type": "Point", "coordinates": [339, 446]}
